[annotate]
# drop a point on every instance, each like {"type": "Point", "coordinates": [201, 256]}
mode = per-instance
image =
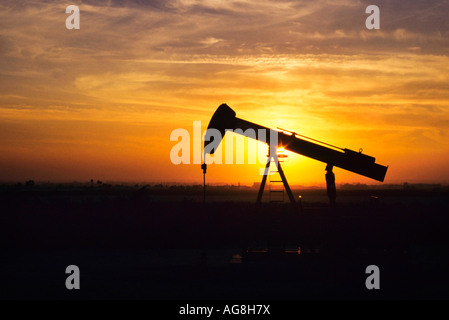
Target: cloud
{"type": "Point", "coordinates": [304, 65]}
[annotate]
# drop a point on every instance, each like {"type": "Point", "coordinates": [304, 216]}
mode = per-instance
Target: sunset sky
{"type": "Point", "coordinates": [101, 102]}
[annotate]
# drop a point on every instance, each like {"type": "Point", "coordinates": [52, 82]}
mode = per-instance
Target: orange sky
{"type": "Point", "coordinates": [101, 102]}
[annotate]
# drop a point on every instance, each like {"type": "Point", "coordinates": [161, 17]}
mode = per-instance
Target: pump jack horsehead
{"type": "Point", "coordinates": [225, 118]}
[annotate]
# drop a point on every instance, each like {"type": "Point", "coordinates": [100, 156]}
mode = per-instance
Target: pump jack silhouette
{"type": "Point", "coordinates": [225, 118]}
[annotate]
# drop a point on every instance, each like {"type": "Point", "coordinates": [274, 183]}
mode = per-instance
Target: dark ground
{"type": "Point", "coordinates": [165, 244]}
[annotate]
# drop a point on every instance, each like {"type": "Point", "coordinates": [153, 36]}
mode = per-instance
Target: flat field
{"type": "Point", "coordinates": [166, 244]}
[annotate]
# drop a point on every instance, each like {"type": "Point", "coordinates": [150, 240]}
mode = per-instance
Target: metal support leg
{"type": "Point", "coordinates": [264, 180]}
{"type": "Point", "coordinates": [284, 180]}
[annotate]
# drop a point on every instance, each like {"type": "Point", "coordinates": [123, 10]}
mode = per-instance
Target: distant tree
{"type": "Point", "coordinates": [407, 186]}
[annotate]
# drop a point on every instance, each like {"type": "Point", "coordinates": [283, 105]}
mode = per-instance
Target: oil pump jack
{"type": "Point", "coordinates": [225, 119]}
